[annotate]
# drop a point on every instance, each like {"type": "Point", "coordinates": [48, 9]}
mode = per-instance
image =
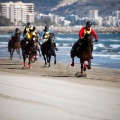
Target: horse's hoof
{"type": "Point", "coordinates": [72, 64]}
{"type": "Point", "coordinates": [46, 65]}
{"type": "Point", "coordinates": [88, 67]}
{"type": "Point", "coordinates": [78, 74]}
{"type": "Point", "coordinates": [84, 69]}
{"type": "Point", "coordinates": [23, 67]}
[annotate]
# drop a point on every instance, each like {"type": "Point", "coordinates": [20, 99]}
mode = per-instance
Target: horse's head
{"type": "Point", "coordinates": [51, 38]}
{"type": "Point", "coordinates": [87, 39]}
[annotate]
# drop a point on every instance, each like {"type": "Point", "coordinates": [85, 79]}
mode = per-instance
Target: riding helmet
{"type": "Point", "coordinates": [17, 29]}
{"type": "Point", "coordinates": [46, 27]}
{"type": "Point", "coordinates": [89, 23]}
{"type": "Point", "coordinates": [28, 24]}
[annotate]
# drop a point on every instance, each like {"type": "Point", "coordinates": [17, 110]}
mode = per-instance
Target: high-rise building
{"type": "Point", "coordinates": [116, 14]}
{"type": "Point", "coordinates": [93, 14]}
{"type": "Point", "coordinates": [18, 12]}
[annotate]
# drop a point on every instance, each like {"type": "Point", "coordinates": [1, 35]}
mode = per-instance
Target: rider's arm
{"type": "Point", "coordinates": [94, 34]}
{"type": "Point", "coordinates": [24, 32]}
{"type": "Point", "coordinates": [13, 34]}
{"type": "Point", "coordinates": [41, 35]}
{"type": "Point", "coordinates": [81, 32]}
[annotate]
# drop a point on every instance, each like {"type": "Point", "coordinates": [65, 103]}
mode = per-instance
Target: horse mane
{"type": "Point", "coordinates": [86, 41]}
{"type": "Point", "coordinates": [85, 48]}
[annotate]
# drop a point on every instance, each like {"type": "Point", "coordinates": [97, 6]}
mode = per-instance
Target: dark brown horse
{"type": "Point", "coordinates": [84, 52]}
{"type": "Point", "coordinates": [14, 44]}
{"type": "Point", "coordinates": [48, 50]}
{"type": "Point", "coordinates": [29, 50]}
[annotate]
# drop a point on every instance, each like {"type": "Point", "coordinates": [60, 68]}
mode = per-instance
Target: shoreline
{"type": "Point", "coordinates": [102, 77]}
{"type": "Point", "coordinates": [104, 30]}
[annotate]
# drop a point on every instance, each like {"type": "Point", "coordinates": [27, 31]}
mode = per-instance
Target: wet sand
{"type": "Point", "coordinates": [55, 93]}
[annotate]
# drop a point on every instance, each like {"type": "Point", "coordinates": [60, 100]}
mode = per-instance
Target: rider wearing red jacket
{"type": "Point", "coordinates": [87, 29]}
{"type": "Point", "coordinates": [84, 30]}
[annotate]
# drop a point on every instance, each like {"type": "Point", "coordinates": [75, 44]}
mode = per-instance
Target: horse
{"type": "Point", "coordinates": [29, 50]}
{"type": "Point", "coordinates": [84, 52]}
{"type": "Point", "coordinates": [48, 50]}
{"type": "Point", "coordinates": [14, 44]}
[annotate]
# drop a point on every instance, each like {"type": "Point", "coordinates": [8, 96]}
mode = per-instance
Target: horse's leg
{"type": "Point", "coordinates": [24, 61]}
{"type": "Point", "coordinates": [72, 62]}
{"type": "Point", "coordinates": [44, 59]}
{"type": "Point", "coordinates": [18, 52]}
{"type": "Point", "coordinates": [29, 61]}
{"type": "Point", "coordinates": [82, 62]}
{"type": "Point", "coordinates": [54, 58]}
{"type": "Point", "coordinates": [39, 50]}
{"type": "Point", "coordinates": [12, 51]}
{"type": "Point", "coordinates": [49, 59]}
{"type": "Point", "coordinates": [89, 64]}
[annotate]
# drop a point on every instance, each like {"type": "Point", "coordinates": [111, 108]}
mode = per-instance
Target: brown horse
{"type": "Point", "coordinates": [14, 44]}
{"type": "Point", "coordinates": [84, 52]}
{"type": "Point", "coordinates": [29, 50]}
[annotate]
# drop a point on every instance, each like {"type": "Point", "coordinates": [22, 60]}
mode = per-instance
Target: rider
{"type": "Point", "coordinates": [27, 33]}
{"type": "Point", "coordinates": [45, 35]}
{"type": "Point", "coordinates": [16, 31]}
{"type": "Point", "coordinates": [27, 29]}
{"type": "Point", "coordinates": [84, 30]}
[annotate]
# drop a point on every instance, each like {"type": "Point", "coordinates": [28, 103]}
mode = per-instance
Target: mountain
{"type": "Point", "coordinates": [78, 7]}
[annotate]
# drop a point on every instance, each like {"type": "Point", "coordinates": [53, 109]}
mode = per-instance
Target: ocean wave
{"type": "Point", "coordinates": [1, 36]}
{"type": "Point", "coordinates": [115, 56]}
{"type": "Point", "coordinates": [64, 44]}
{"type": "Point", "coordinates": [65, 39]}
{"type": "Point", "coordinates": [115, 46]}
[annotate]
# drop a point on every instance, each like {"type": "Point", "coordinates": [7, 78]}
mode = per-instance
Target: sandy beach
{"type": "Point", "coordinates": [55, 93]}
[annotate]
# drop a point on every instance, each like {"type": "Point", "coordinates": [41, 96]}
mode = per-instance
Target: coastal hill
{"type": "Point", "coordinates": [78, 7]}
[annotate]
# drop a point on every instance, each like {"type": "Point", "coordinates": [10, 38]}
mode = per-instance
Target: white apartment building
{"type": "Point", "coordinates": [93, 14]}
{"type": "Point", "coordinates": [18, 12]}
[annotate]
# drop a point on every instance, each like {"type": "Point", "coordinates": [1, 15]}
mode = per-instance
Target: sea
{"type": "Point", "coordinates": [106, 52]}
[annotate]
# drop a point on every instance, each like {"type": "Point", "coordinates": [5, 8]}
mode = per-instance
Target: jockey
{"type": "Point", "coordinates": [84, 30]}
{"type": "Point", "coordinates": [34, 29]}
{"type": "Point", "coordinates": [17, 30]}
{"type": "Point", "coordinates": [45, 35]}
{"type": "Point", "coordinates": [27, 29]}
{"type": "Point", "coordinates": [27, 33]}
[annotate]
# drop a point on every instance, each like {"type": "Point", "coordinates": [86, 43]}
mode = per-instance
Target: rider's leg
{"type": "Point", "coordinates": [74, 49]}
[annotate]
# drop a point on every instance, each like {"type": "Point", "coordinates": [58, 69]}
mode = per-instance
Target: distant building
{"type": "Point", "coordinates": [116, 14]}
{"type": "Point", "coordinates": [73, 18]}
{"type": "Point", "coordinates": [18, 12]}
{"type": "Point", "coordinates": [93, 14]}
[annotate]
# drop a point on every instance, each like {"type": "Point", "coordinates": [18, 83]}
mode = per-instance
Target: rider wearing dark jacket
{"type": "Point", "coordinates": [17, 31]}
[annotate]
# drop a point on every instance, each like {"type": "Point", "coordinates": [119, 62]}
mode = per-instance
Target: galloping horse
{"type": "Point", "coordinates": [29, 50]}
{"type": "Point", "coordinates": [14, 44]}
{"type": "Point", "coordinates": [48, 50]}
{"type": "Point", "coordinates": [84, 52]}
